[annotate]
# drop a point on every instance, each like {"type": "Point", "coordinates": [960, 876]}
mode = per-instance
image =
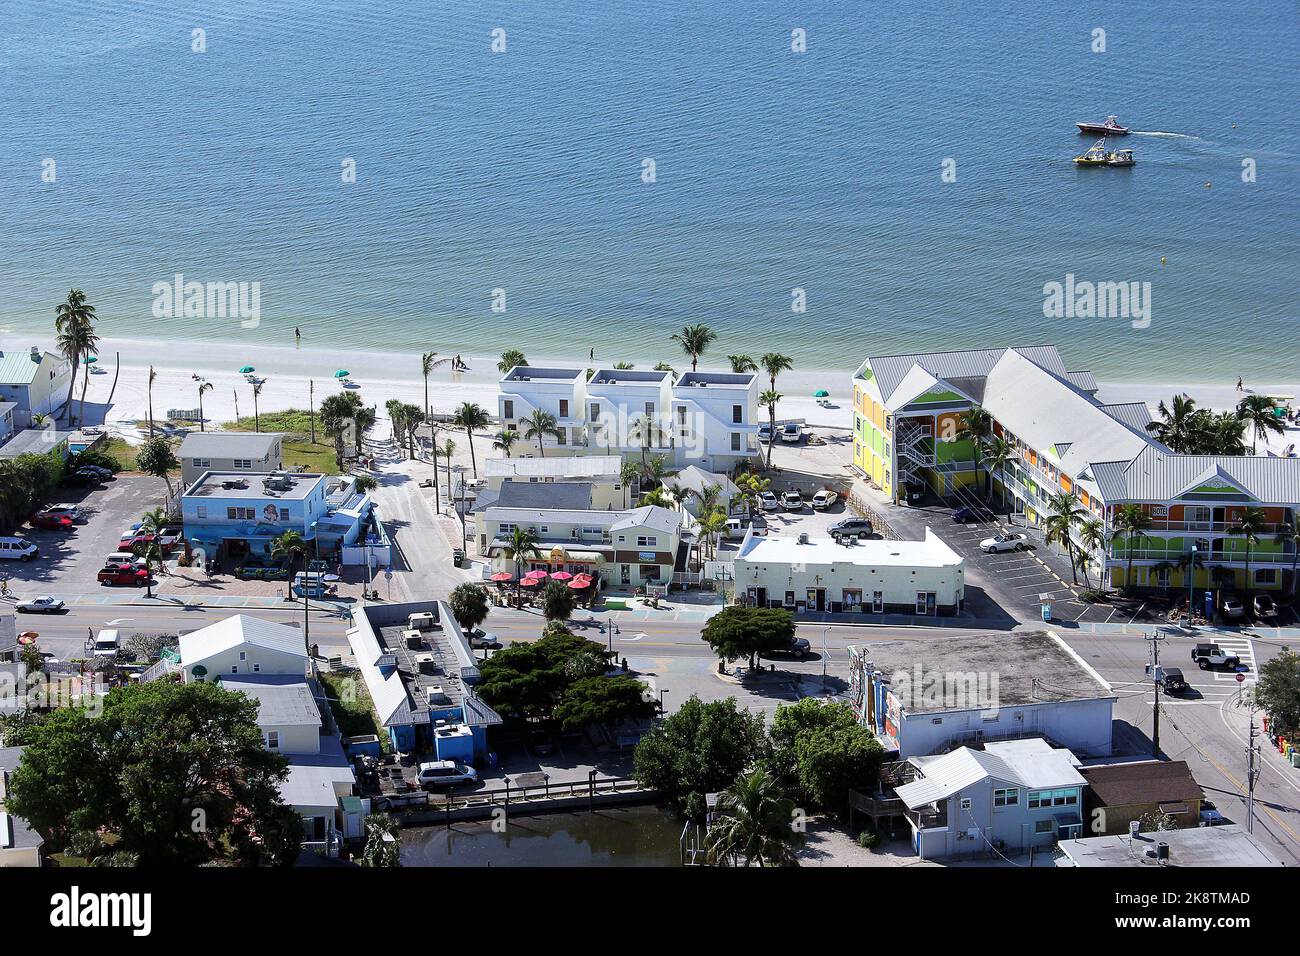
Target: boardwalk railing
{"type": "Point", "coordinates": [515, 796]}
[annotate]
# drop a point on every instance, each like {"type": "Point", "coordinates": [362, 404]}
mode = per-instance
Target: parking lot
{"type": "Point", "coordinates": [69, 560]}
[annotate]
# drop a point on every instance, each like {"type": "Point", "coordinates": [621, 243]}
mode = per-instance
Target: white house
{"type": "Point", "coordinates": [20, 845]}
{"type": "Point", "coordinates": [230, 452]}
{"type": "Point", "coordinates": [240, 646]}
{"type": "Point", "coordinates": [715, 419]}
{"type": "Point", "coordinates": [37, 382]}
{"type": "Point", "coordinates": [879, 577]}
{"type": "Point", "coordinates": [526, 389]}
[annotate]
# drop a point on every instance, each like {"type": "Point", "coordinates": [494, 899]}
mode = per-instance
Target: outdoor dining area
{"type": "Point", "coordinates": [528, 588]}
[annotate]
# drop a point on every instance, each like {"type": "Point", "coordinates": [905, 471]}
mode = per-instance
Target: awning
{"type": "Point", "coordinates": [591, 556]}
{"type": "Point", "coordinates": [1173, 807]}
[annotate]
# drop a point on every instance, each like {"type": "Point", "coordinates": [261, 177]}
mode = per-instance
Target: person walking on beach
{"type": "Point", "coordinates": [591, 356]}
{"type": "Point", "coordinates": [297, 335]}
{"type": "Point", "coordinates": [1239, 388]}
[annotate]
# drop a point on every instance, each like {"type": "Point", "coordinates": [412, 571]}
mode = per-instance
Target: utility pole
{"type": "Point", "coordinates": [1251, 772]}
{"type": "Point", "coordinates": [1156, 640]}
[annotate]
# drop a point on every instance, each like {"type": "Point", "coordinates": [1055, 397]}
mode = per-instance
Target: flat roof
{"type": "Point", "coordinates": [1226, 845]}
{"type": "Point", "coordinates": [533, 373]}
{"type": "Point", "coordinates": [570, 466]}
{"type": "Point", "coordinates": [242, 484]}
{"type": "Point", "coordinates": [775, 549]}
{"type": "Point", "coordinates": [1031, 667]}
{"type": "Point", "coordinates": [627, 376]}
{"type": "Point", "coordinates": [716, 379]}
{"type": "Point", "coordinates": [282, 700]}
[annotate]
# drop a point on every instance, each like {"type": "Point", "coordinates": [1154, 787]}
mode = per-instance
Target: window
{"type": "Point", "coordinates": [202, 463]}
{"type": "Point", "coordinates": [789, 599]}
{"type": "Point", "coordinates": [681, 414]}
{"type": "Point", "coordinates": [234, 668]}
{"type": "Point", "coordinates": [737, 414]}
{"type": "Point", "coordinates": [965, 803]}
{"type": "Point", "coordinates": [735, 441]}
{"type": "Point", "coordinates": [505, 529]}
{"type": "Point", "coordinates": [201, 511]}
{"type": "Point", "coordinates": [650, 409]}
{"type": "Point", "coordinates": [257, 668]}
{"type": "Point", "coordinates": [243, 656]}
{"type": "Point", "coordinates": [1042, 826]}
{"type": "Point", "coordinates": [595, 413]}
{"type": "Point", "coordinates": [507, 408]}
{"type": "Point", "coordinates": [647, 541]}
{"type": "Point", "coordinates": [562, 436]}
{"type": "Point", "coordinates": [273, 740]}
{"type": "Point", "coordinates": [284, 514]}
{"type": "Point", "coordinates": [1010, 797]}
{"type": "Point", "coordinates": [1266, 575]}
{"type": "Point", "coordinates": [564, 408]}
{"type": "Point", "coordinates": [243, 463]}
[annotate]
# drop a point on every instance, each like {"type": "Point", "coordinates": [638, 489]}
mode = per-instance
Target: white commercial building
{"type": "Point", "coordinates": [878, 577]}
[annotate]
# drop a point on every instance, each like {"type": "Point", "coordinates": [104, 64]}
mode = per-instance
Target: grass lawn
{"type": "Point", "coordinates": [352, 707]}
{"type": "Point", "coordinates": [317, 457]}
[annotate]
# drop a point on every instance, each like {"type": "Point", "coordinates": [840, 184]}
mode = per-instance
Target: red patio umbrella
{"type": "Point", "coordinates": [503, 576]}
{"type": "Point", "coordinates": [530, 582]}
{"type": "Point", "coordinates": [537, 573]}
{"type": "Point", "coordinates": [561, 576]}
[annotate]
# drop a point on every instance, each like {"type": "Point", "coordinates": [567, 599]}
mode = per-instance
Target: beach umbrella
{"type": "Point", "coordinates": [530, 582]}
{"type": "Point", "coordinates": [90, 360]}
{"type": "Point", "coordinates": [246, 369]}
{"type": "Point", "coordinates": [342, 373]}
{"type": "Point", "coordinates": [561, 576]}
{"type": "Point", "coordinates": [821, 393]}
{"type": "Point", "coordinates": [502, 576]}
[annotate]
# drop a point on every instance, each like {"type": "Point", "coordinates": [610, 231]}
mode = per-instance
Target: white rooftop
{"type": "Point", "coordinates": [771, 549]}
{"type": "Point", "coordinates": [1031, 763]}
{"type": "Point", "coordinates": [577, 466]}
{"type": "Point", "coordinates": [240, 629]}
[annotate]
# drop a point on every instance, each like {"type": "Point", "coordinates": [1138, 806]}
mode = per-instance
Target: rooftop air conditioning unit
{"type": "Point", "coordinates": [803, 537]}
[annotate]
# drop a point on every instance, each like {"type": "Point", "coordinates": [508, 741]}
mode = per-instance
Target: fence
{"type": "Point", "coordinates": [534, 798]}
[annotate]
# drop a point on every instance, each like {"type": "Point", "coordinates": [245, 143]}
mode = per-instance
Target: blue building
{"type": "Point", "coordinates": [237, 514]}
{"type": "Point", "coordinates": [420, 671]}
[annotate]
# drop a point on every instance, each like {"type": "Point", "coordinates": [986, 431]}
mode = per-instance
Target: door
{"type": "Point", "coordinates": [625, 574]}
{"type": "Point", "coordinates": [816, 599]}
{"type": "Point", "coordinates": [878, 602]}
{"type": "Point", "coordinates": [760, 597]}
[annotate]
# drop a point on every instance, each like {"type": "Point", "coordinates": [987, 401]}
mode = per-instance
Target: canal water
{"type": "Point", "coordinates": [616, 836]}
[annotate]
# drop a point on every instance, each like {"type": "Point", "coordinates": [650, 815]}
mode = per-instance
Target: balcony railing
{"type": "Point", "coordinates": [1222, 527]}
{"type": "Point", "coordinates": [1203, 557]}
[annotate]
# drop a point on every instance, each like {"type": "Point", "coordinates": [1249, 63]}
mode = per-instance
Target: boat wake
{"type": "Point", "coordinates": [1147, 132]}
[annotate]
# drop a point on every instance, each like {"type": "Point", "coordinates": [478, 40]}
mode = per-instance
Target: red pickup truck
{"type": "Point", "coordinates": [123, 574]}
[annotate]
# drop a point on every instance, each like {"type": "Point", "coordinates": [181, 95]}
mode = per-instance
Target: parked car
{"type": "Point", "coordinates": [765, 433]}
{"type": "Point", "coordinates": [792, 500]}
{"type": "Point", "coordinates": [1011, 541]}
{"type": "Point", "coordinates": [51, 522]}
{"type": "Point", "coordinates": [445, 773]}
{"type": "Point", "coordinates": [122, 574]}
{"type": "Point", "coordinates": [126, 557]}
{"type": "Point", "coordinates": [824, 499]}
{"type": "Point", "coordinates": [83, 477]}
{"type": "Point", "coordinates": [106, 644]}
{"type": "Point", "coordinates": [851, 527]}
{"type": "Point", "coordinates": [1210, 815]}
{"type": "Point", "coordinates": [1231, 608]}
{"type": "Point", "coordinates": [768, 501]}
{"type": "Point", "coordinates": [69, 511]}
{"type": "Point", "coordinates": [480, 639]}
{"type": "Point", "coordinates": [791, 433]}
{"type": "Point", "coordinates": [135, 540]}
{"type": "Point", "coordinates": [1206, 656]}
{"type": "Point", "coordinates": [736, 528]}
{"type": "Point", "coordinates": [966, 514]}
{"type": "Point", "coordinates": [17, 549]}
{"type": "Point", "coordinates": [104, 473]}
{"type": "Point", "coordinates": [1265, 608]}
{"type": "Point", "coordinates": [798, 647]}
{"type": "Point", "coordinates": [40, 605]}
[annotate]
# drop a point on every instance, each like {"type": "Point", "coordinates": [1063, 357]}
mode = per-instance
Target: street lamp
{"type": "Point", "coordinates": [824, 630]}
{"type": "Point", "coordinates": [661, 701]}
{"type": "Point", "coordinates": [1191, 584]}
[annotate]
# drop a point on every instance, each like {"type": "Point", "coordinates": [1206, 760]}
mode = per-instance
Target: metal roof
{"type": "Point", "coordinates": [649, 516]}
{"type": "Point", "coordinates": [241, 629]}
{"type": "Point", "coordinates": [890, 370]}
{"type": "Point", "coordinates": [35, 441]}
{"type": "Point", "coordinates": [1032, 764]}
{"type": "Point", "coordinates": [1134, 414]}
{"type": "Point", "coordinates": [1160, 475]}
{"type": "Point", "coordinates": [19, 366]}
{"type": "Point", "coordinates": [229, 444]}
{"type": "Point", "coordinates": [559, 495]}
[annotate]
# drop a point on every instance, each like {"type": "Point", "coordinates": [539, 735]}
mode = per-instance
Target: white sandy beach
{"type": "Point", "coordinates": [381, 376]}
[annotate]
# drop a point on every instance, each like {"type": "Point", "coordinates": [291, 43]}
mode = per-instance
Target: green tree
{"type": "Point", "coordinates": [1175, 425]}
{"type": "Point", "coordinates": [1288, 537]}
{"type": "Point", "coordinates": [538, 425]}
{"type": "Point", "coordinates": [769, 400]}
{"type": "Point", "coordinates": [428, 362]}
{"type": "Point", "coordinates": [382, 847]}
{"type": "Point", "coordinates": [473, 418]}
{"type": "Point", "coordinates": [755, 824]}
{"type": "Point", "coordinates": [74, 325]}
{"type": "Point", "coordinates": [522, 545]}
{"type": "Point", "coordinates": [1249, 526]}
{"type": "Point", "coordinates": [694, 339]}
{"type": "Point", "coordinates": [741, 364]}
{"type": "Point", "coordinates": [977, 427]}
{"type": "Point", "coordinates": [997, 454]}
{"type": "Point", "coordinates": [1131, 523]}
{"type": "Point", "coordinates": [177, 772]}
{"type": "Point", "coordinates": [1064, 512]}
{"type": "Point", "coordinates": [469, 604]}
{"type": "Point", "coordinates": [527, 681]}
{"type": "Point", "coordinates": [1259, 413]}
{"type": "Point", "coordinates": [203, 387]}
{"type": "Point", "coordinates": [608, 701]}
{"type": "Point", "coordinates": [292, 546]}
{"type": "Point", "coordinates": [701, 748]}
{"type": "Point", "coordinates": [747, 632]}
{"type": "Point", "coordinates": [1278, 692]}
{"type": "Point", "coordinates": [156, 458]}
{"type": "Point", "coordinates": [1092, 538]}
{"type": "Point", "coordinates": [511, 358]}
{"type": "Point", "coordinates": [557, 601]}
{"type": "Point", "coordinates": [504, 440]}
{"type": "Point", "coordinates": [343, 416]}
{"type": "Point", "coordinates": [774, 363]}
{"type": "Point", "coordinates": [820, 752]}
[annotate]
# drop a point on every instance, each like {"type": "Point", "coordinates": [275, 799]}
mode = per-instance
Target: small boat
{"type": "Point", "coordinates": [1096, 155]}
{"type": "Point", "coordinates": [1109, 128]}
{"type": "Point", "coordinates": [1121, 157]}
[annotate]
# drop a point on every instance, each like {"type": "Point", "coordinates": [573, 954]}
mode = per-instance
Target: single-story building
{"type": "Point", "coordinates": [604, 473]}
{"type": "Point", "coordinates": [240, 646]}
{"type": "Point", "coordinates": [20, 845]}
{"type": "Point", "coordinates": [1227, 845]}
{"type": "Point", "coordinates": [419, 671]}
{"type": "Point", "coordinates": [926, 694]}
{"type": "Point", "coordinates": [821, 574]}
{"type": "Point", "coordinates": [1009, 797]}
{"type": "Point", "coordinates": [694, 480]}
{"type": "Point", "coordinates": [246, 452]}
{"type": "Point", "coordinates": [1123, 792]}
{"type": "Point", "coordinates": [40, 441]}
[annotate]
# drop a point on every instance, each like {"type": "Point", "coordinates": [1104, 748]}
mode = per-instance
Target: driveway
{"type": "Point", "coordinates": [70, 560]}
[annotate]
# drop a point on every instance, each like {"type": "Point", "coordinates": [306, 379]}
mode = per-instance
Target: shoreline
{"type": "Point", "coordinates": [382, 375]}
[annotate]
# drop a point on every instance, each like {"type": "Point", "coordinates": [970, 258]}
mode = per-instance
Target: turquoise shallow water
{"type": "Point", "coordinates": [521, 171]}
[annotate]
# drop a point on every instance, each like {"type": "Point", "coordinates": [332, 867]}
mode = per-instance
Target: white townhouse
{"type": "Point", "coordinates": [526, 389]}
{"type": "Point", "coordinates": [628, 410]}
{"type": "Point", "coordinates": [715, 419]}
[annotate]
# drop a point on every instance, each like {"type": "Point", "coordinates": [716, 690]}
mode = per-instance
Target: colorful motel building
{"type": "Point", "coordinates": [908, 412]}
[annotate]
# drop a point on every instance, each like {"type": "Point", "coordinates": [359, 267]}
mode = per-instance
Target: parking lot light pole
{"type": "Point", "coordinates": [824, 630]}
{"type": "Point", "coordinates": [1191, 585]}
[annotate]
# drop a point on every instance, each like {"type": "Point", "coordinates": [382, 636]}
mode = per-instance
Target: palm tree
{"type": "Point", "coordinates": [755, 824]}
{"type": "Point", "coordinates": [152, 522]}
{"type": "Point", "coordinates": [1288, 536]}
{"type": "Point", "coordinates": [336, 416]}
{"type": "Point", "coordinates": [624, 365]}
{"type": "Point", "coordinates": [74, 323]}
{"type": "Point", "coordinates": [382, 848]}
{"type": "Point", "coordinates": [644, 430]}
{"type": "Point", "coordinates": [428, 362]}
{"type": "Point", "coordinates": [473, 418]}
{"type": "Point", "coordinates": [694, 339]}
{"type": "Point", "coordinates": [774, 363]}
{"type": "Point", "coordinates": [447, 450]}
{"type": "Point", "coordinates": [751, 487]}
{"type": "Point", "coordinates": [627, 472]}
{"type": "Point", "coordinates": [997, 453]}
{"type": "Point", "coordinates": [1175, 425]}
{"type": "Point", "coordinates": [538, 425]}
{"type": "Point", "coordinates": [1064, 514]}
{"type": "Point", "coordinates": [1131, 522]}
{"type": "Point", "coordinates": [257, 418]}
{"type": "Point", "coordinates": [504, 440]}
{"type": "Point", "coordinates": [768, 400]}
{"type": "Point", "coordinates": [522, 544]}
{"type": "Point", "coordinates": [292, 546]}
{"type": "Point", "coordinates": [203, 387]}
{"type": "Point", "coordinates": [976, 427]}
{"type": "Point", "coordinates": [665, 367]}
{"type": "Point", "coordinates": [152, 375]}
{"type": "Point", "coordinates": [1092, 537]}
{"type": "Point", "coordinates": [742, 363]}
{"type": "Point", "coordinates": [1259, 412]}
{"type": "Point", "coordinates": [412, 419]}
{"type": "Point", "coordinates": [1251, 523]}
{"type": "Point", "coordinates": [510, 358]}
{"type": "Point", "coordinates": [712, 523]}
{"type": "Point", "coordinates": [655, 471]}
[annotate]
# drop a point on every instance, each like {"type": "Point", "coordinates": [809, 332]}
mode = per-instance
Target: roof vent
{"type": "Point", "coordinates": [803, 537]}
{"type": "Point", "coordinates": [36, 351]}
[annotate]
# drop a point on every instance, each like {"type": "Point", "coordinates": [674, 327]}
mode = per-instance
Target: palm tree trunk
{"type": "Point", "coordinates": [72, 384]}
{"type": "Point", "coordinates": [201, 424]}
{"type": "Point", "coordinates": [426, 396]}
{"type": "Point", "coordinates": [81, 408]}
{"type": "Point", "coordinates": [771, 436]}
{"type": "Point", "coordinates": [472, 460]}
{"type": "Point", "coordinates": [1069, 553]}
{"type": "Point", "coordinates": [1128, 573]}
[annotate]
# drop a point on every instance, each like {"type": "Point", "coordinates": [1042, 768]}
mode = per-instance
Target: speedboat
{"type": "Point", "coordinates": [1095, 156]}
{"type": "Point", "coordinates": [1121, 157]}
{"type": "Point", "coordinates": [1109, 128]}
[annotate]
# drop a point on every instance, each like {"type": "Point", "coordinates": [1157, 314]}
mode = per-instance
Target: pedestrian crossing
{"type": "Point", "coordinates": [1243, 648]}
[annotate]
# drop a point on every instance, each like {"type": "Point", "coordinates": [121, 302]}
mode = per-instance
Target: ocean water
{"type": "Point", "coordinates": [522, 171]}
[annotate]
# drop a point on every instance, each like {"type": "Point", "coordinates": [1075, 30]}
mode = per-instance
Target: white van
{"type": "Point", "coordinates": [126, 557]}
{"type": "Point", "coordinates": [107, 644]}
{"type": "Point", "coordinates": [17, 549]}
